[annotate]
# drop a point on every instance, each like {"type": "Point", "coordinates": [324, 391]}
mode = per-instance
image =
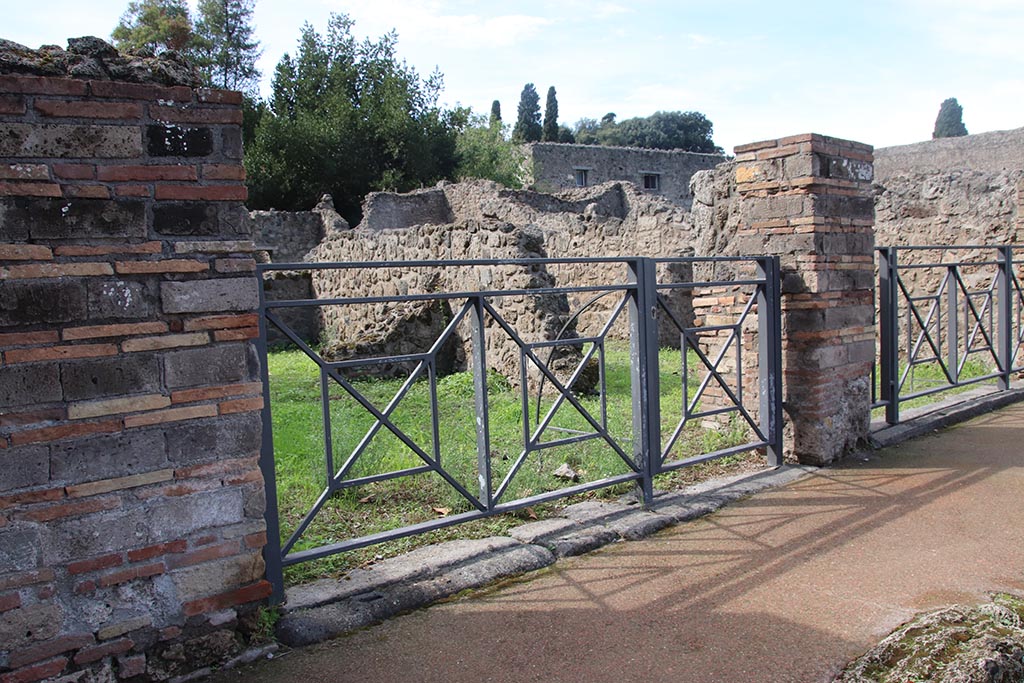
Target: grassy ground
{"type": "Point", "coordinates": [373, 507]}
{"type": "Point", "coordinates": [930, 376]}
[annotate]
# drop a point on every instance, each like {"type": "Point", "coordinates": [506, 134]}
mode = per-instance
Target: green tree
{"type": "Point", "coordinates": [528, 128]}
{"type": "Point", "coordinates": [485, 152]}
{"type": "Point", "coordinates": [225, 49]}
{"type": "Point", "coordinates": [565, 135]}
{"type": "Point", "coordinates": [949, 123]}
{"type": "Point", "coordinates": [550, 127]}
{"type": "Point", "coordinates": [348, 117]}
{"type": "Point", "coordinates": [154, 25]}
{"type": "Point", "coordinates": [690, 131]}
{"type": "Point", "coordinates": [495, 119]}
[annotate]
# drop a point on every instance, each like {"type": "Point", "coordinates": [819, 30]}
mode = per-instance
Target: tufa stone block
{"type": "Point", "coordinates": [70, 141]}
{"type": "Point", "coordinates": [31, 302]}
{"type": "Point", "coordinates": [215, 439]}
{"type": "Point", "coordinates": [223, 364]}
{"type": "Point", "coordinates": [24, 466]}
{"type": "Point", "coordinates": [102, 457]}
{"type": "Point", "coordinates": [21, 218]}
{"type": "Point", "coordinates": [29, 384]}
{"type": "Point", "coordinates": [178, 141]}
{"type": "Point", "coordinates": [115, 376]}
{"type": "Point", "coordinates": [209, 296]}
{"type": "Point", "coordinates": [202, 219]}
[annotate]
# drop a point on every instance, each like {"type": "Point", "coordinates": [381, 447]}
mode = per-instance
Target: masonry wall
{"type": "Point", "coordinates": [130, 498]}
{"type": "Point", "coordinates": [555, 166]}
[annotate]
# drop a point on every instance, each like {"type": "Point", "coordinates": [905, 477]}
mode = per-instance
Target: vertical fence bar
{"type": "Point", "coordinates": [643, 357]}
{"type": "Point", "coordinates": [888, 323]}
{"type": "Point", "coordinates": [769, 355]}
{"type": "Point", "coordinates": [483, 423]}
{"type": "Point", "coordinates": [272, 550]}
{"type": "Point", "coordinates": [1006, 345]}
{"type": "Point", "coordinates": [952, 325]}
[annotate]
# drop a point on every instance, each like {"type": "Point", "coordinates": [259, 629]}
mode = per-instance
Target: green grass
{"type": "Point", "coordinates": [370, 508]}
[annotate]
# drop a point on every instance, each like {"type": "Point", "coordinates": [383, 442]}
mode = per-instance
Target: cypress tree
{"type": "Point", "coordinates": [949, 123]}
{"type": "Point", "coordinates": [551, 117]}
{"type": "Point", "coordinates": [495, 120]}
{"type": "Point", "coordinates": [528, 128]}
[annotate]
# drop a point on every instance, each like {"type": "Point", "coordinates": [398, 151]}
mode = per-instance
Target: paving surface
{"type": "Point", "coordinates": [786, 585]}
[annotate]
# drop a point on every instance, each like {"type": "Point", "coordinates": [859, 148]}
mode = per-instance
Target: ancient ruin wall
{"type": "Point", "coordinates": [131, 504]}
{"type": "Point", "coordinates": [491, 222]}
{"type": "Point", "coordinates": [555, 166]}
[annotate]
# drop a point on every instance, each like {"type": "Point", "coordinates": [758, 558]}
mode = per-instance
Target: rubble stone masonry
{"type": "Point", "coordinates": [131, 502]}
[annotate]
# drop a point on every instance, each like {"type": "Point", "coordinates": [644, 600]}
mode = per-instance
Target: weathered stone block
{"type": "Point", "coordinates": [231, 142]}
{"type": "Point", "coordinates": [29, 302]}
{"type": "Point", "coordinates": [178, 141]}
{"type": "Point", "coordinates": [209, 296]}
{"type": "Point", "coordinates": [102, 457]}
{"type": "Point", "coordinates": [212, 578]}
{"type": "Point", "coordinates": [69, 141]}
{"type": "Point", "coordinates": [119, 299]}
{"type": "Point", "coordinates": [137, 372]}
{"type": "Point", "coordinates": [24, 466]}
{"type": "Point", "coordinates": [71, 219]}
{"type": "Point", "coordinates": [19, 550]}
{"type": "Point", "coordinates": [223, 364]}
{"type": "Point", "coordinates": [29, 384]}
{"type": "Point", "coordinates": [157, 521]}
{"type": "Point", "coordinates": [215, 439]}
{"type": "Point", "coordinates": [29, 624]}
{"type": "Point", "coordinates": [201, 218]}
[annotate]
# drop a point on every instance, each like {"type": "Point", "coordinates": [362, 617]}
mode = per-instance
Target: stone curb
{"type": "Point", "coordinates": [329, 608]}
{"type": "Point", "coordinates": [953, 410]}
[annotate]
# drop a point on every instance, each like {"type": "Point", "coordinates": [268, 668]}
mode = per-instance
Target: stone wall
{"type": "Point", "coordinates": [554, 167]}
{"type": "Point", "coordinates": [991, 152]}
{"type": "Point", "coordinates": [131, 503]}
{"type": "Point", "coordinates": [490, 222]}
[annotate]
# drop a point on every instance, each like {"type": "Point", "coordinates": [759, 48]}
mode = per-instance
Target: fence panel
{"type": "Point", "coordinates": [442, 392]}
{"type": "Point", "coordinates": [949, 317]}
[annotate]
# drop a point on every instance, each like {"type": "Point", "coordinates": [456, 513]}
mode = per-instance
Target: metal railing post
{"type": "Point", "coordinates": [643, 357]}
{"type": "Point", "coordinates": [952, 325]}
{"type": "Point", "coordinates": [272, 559]}
{"type": "Point", "coordinates": [1006, 346]}
{"type": "Point", "coordinates": [483, 424]}
{"type": "Point", "coordinates": [888, 322]}
{"type": "Point", "coordinates": [769, 354]}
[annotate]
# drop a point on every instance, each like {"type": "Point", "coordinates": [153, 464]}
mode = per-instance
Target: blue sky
{"type": "Point", "coordinates": [870, 71]}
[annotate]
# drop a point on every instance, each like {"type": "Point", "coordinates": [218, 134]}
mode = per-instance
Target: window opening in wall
{"type": "Point", "coordinates": [581, 177]}
{"type": "Point", "coordinates": [652, 181]}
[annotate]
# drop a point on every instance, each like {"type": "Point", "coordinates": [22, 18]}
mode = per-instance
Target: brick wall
{"type": "Point", "coordinates": [808, 199]}
{"type": "Point", "coordinates": [130, 497]}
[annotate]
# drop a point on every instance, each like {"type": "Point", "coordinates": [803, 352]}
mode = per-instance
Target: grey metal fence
{"type": "Point", "coordinates": [617, 297]}
{"type": "Point", "coordinates": [948, 317]}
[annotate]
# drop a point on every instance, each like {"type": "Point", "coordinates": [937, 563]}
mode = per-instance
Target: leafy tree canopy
{"type": "Point", "coordinates": [224, 46]}
{"type": "Point", "coordinates": [154, 25]}
{"type": "Point", "coordinates": [949, 123]}
{"type": "Point", "coordinates": [484, 151]}
{"type": "Point", "coordinates": [348, 117]}
{"type": "Point", "coordinates": [690, 131]}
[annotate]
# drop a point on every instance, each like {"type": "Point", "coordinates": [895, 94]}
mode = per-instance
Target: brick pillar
{"type": "Point", "coordinates": [808, 199]}
{"type": "Point", "coordinates": [130, 496]}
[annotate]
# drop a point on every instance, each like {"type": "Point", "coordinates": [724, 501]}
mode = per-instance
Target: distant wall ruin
{"type": "Point", "coordinates": [488, 221]}
{"type": "Point", "coordinates": [667, 173]}
{"type": "Point", "coordinates": [965, 190]}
